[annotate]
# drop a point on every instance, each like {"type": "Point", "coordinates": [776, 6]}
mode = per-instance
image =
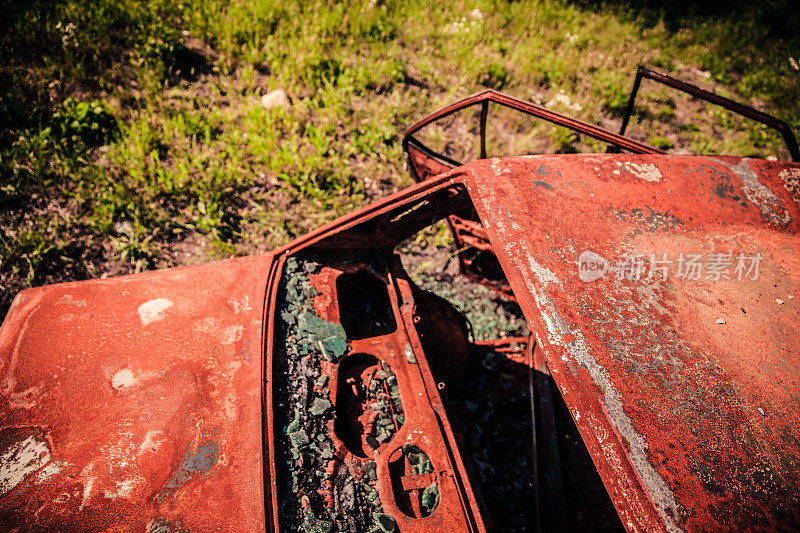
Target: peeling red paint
{"type": "Point", "coordinates": [152, 412]}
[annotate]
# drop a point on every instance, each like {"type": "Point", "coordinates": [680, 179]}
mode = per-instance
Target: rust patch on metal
{"type": "Point", "coordinates": [758, 193]}
{"type": "Point", "coordinates": [23, 452]}
{"type": "Point", "coordinates": [195, 462]}
{"type": "Point", "coordinates": [791, 180]}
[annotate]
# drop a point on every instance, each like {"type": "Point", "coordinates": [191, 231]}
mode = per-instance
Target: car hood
{"type": "Point", "coordinates": [685, 389]}
{"type": "Point", "coordinates": [135, 401]}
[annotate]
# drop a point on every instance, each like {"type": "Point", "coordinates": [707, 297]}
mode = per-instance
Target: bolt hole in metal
{"type": "Point", "coordinates": [416, 491]}
{"type": "Point", "coordinates": [364, 306]}
{"type": "Point", "coordinates": [368, 407]}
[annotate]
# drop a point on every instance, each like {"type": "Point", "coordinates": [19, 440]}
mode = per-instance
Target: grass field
{"type": "Point", "coordinates": [133, 135]}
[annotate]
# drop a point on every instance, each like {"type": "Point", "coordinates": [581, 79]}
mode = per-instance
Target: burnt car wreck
{"type": "Point", "coordinates": [320, 387]}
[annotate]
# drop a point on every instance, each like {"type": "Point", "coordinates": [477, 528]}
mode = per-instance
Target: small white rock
{"type": "Point", "coordinates": [761, 411]}
{"type": "Point", "coordinates": [123, 227]}
{"type": "Point", "coordinates": [791, 297]}
{"type": "Point", "coordinates": [720, 321]}
{"type": "Point", "coordinates": [276, 98]}
{"type": "Point", "coordinates": [778, 301]}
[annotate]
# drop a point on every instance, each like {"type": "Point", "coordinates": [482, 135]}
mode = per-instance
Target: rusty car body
{"type": "Point", "coordinates": [318, 388]}
{"type": "Point", "coordinates": [476, 259]}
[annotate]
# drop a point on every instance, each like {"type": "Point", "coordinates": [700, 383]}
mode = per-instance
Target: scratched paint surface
{"type": "Point", "coordinates": [134, 403]}
{"type": "Point", "coordinates": [685, 391]}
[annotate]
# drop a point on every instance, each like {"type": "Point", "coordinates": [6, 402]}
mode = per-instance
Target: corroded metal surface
{"type": "Point", "coordinates": [685, 390]}
{"type": "Point", "coordinates": [375, 448]}
{"type": "Point", "coordinates": [134, 403]}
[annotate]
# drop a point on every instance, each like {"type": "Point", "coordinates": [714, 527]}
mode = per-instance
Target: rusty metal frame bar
{"type": "Point", "coordinates": [406, 309]}
{"type": "Point", "coordinates": [529, 108]}
{"type": "Point", "coordinates": [483, 99]}
{"type": "Point", "coordinates": [746, 111]}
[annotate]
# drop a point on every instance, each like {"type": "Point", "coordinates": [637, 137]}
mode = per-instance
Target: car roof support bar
{"type": "Point", "coordinates": [746, 111]}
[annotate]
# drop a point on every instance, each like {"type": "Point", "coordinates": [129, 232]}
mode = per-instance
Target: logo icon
{"type": "Point", "coordinates": [591, 266]}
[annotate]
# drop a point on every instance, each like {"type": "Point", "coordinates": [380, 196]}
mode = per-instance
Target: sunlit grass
{"type": "Point", "coordinates": [192, 167]}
